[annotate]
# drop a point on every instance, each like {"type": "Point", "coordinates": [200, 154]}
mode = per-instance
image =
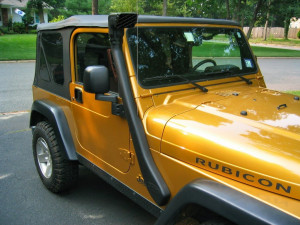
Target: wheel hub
{"type": "Point", "coordinates": [44, 157]}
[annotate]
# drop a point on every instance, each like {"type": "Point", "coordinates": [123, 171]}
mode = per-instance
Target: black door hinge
{"type": "Point", "coordinates": [117, 109]}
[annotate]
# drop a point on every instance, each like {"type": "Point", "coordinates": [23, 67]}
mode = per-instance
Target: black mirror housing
{"type": "Point", "coordinates": [96, 80]}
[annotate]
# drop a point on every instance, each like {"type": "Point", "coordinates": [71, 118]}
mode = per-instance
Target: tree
{"type": "Point", "coordinates": [280, 13]}
{"type": "Point", "coordinates": [288, 10]}
{"type": "Point", "coordinates": [258, 5]}
{"type": "Point", "coordinates": [125, 6]}
{"type": "Point", "coordinates": [227, 10]}
{"type": "Point", "coordinates": [77, 7]}
{"type": "Point", "coordinates": [267, 19]}
{"type": "Point", "coordinates": [40, 4]}
{"type": "Point", "coordinates": [27, 19]}
{"type": "Point", "coordinates": [153, 7]}
{"type": "Point", "coordinates": [104, 6]}
{"type": "Point", "coordinates": [95, 7]}
{"type": "Point", "coordinates": [165, 3]}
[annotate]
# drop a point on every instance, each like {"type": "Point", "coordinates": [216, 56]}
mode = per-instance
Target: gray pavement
{"type": "Point", "coordinates": [281, 74]}
{"type": "Point", "coordinates": [15, 86]}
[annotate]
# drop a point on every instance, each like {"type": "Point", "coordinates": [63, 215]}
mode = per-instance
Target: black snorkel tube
{"type": "Point", "coordinates": [153, 180]}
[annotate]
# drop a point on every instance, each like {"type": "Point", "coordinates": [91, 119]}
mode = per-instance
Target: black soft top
{"type": "Point", "coordinates": [102, 21]}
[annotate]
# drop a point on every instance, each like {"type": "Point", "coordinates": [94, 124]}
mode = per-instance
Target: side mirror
{"type": "Point", "coordinates": [96, 81]}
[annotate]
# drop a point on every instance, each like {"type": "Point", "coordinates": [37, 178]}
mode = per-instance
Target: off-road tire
{"type": "Point", "coordinates": [62, 173]}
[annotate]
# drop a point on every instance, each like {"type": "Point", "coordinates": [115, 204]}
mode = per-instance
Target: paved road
{"type": "Point", "coordinates": [24, 200]}
{"type": "Point", "coordinates": [15, 86]}
{"type": "Point", "coordinates": [281, 74]}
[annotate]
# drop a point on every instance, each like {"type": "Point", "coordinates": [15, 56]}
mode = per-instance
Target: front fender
{"type": "Point", "coordinates": [43, 109]}
{"type": "Point", "coordinates": [226, 202]}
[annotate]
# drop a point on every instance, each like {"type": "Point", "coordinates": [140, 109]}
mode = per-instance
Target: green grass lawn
{"type": "Point", "coordinates": [17, 47]}
{"type": "Point", "coordinates": [274, 52]}
{"type": "Point", "coordinates": [294, 92]}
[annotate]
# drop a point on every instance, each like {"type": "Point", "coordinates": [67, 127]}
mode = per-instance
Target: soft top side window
{"type": "Point", "coordinates": [52, 57]}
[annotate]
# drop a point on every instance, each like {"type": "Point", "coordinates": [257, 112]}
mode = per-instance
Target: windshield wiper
{"type": "Point", "coordinates": [202, 88]}
{"type": "Point", "coordinates": [249, 82]}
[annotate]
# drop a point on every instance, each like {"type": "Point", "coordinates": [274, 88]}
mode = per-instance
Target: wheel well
{"type": "Point", "coordinates": [200, 214]}
{"type": "Point", "coordinates": [37, 117]}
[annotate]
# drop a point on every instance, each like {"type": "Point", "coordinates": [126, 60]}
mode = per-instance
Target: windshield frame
{"type": "Point", "coordinates": [187, 81]}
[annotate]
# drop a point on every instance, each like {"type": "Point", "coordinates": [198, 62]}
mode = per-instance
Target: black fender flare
{"type": "Point", "coordinates": [226, 202]}
{"type": "Point", "coordinates": [56, 117]}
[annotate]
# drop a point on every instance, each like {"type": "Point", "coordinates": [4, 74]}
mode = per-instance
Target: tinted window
{"type": "Point", "coordinates": [44, 73]}
{"type": "Point", "coordinates": [52, 44]}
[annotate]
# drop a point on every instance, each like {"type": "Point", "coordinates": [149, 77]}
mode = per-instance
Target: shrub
{"type": "Point", "coordinates": [33, 27]}
{"type": "Point", "coordinates": [298, 34]}
{"type": "Point", "coordinates": [19, 28]}
{"type": "Point", "coordinates": [1, 31]}
{"type": "Point", "coordinates": [4, 30]}
{"type": "Point", "coordinates": [32, 32]}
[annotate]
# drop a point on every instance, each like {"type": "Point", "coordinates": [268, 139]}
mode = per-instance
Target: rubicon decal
{"type": "Point", "coordinates": [257, 180]}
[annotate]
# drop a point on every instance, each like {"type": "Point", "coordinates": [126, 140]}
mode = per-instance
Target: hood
{"type": "Point", "coordinates": [249, 136]}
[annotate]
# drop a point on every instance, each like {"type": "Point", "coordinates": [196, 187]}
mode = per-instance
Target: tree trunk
{"type": "Point", "coordinates": [41, 13]}
{"type": "Point", "coordinates": [251, 25]}
{"type": "Point", "coordinates": [238, 9]}
{"type": "Point", "coordinates": [165, 3]}
{"type": "Point", "coordinates": [286, 27]}
{"type": "Point", "coordinates": [267, 21]}
{"type": "Point", "coordinates": [95, 7]}
{"type": "Point", "coordinates": [244, 5]}
{"type": "Point", "coordinates": [228, 10]}
{"type": "Point", "coordinates": [266, 27]}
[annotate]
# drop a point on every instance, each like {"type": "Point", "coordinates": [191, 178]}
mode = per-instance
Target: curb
{"type": "Point", "coordinates": [265, 57]}
{"type": "Point", "coordinates": [18, 61]}
{"type": "Point", "coordinates": [287, 47]}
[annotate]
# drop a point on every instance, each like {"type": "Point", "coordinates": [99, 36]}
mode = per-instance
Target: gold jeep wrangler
{"type": "Point", "coordinates": [172, 112]}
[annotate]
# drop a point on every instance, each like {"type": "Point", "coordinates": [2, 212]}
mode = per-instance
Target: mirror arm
{"type": "Point", "coordinates": [111, 97]}
{"type": "Point", "coordinates": [116, 108]}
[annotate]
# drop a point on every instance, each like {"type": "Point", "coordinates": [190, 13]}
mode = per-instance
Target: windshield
{"type": "Point", "coordinates": [163, 56]}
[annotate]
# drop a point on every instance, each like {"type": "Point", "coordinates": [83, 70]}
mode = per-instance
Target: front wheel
{"type": "Point", "coordinates": [55, 170]}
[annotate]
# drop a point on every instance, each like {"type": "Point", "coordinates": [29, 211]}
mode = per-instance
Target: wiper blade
{"type": "Point", "coordinates": [249, 82]}
{"type": "Point", "coordinates": [202, 88]}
